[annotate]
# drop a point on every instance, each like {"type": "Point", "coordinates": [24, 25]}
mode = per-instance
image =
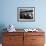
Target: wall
{"type": "Point", "coordinates": [9, 13]}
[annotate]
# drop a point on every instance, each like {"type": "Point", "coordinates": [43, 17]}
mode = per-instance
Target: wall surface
{"type": "Point", "coordinates": [8, 13]}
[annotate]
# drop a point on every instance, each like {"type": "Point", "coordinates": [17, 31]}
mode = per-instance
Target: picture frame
{"type": "Point", "coordinates": [26, 14]}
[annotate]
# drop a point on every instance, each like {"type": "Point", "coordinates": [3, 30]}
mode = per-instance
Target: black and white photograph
{"type": "Point", "coordinates": [26, 14]}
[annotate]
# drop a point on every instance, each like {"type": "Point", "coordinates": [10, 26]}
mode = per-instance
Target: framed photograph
{"type": "Point", "coordinates": [26, 14]}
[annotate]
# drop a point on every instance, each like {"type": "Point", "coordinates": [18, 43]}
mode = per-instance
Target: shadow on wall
{"type": "Point", "coordinates": [2, 26]}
